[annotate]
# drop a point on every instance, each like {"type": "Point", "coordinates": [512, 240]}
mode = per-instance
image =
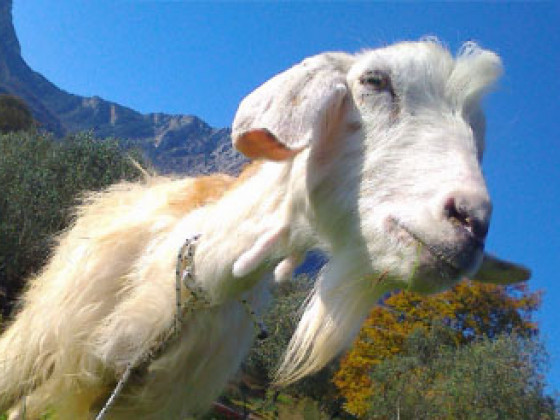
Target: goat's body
{"type": "Point", "coordinates": [107, 294]}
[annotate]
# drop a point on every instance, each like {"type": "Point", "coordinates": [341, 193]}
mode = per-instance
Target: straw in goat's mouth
{"type": "Point", "coordinates": [431, 249]}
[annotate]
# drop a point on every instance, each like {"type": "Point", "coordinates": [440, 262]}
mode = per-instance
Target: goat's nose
{"type": "Point", "coordinates": [470, 211]}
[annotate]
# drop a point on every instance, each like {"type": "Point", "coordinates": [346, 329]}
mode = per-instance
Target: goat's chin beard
{"type": "Point", "coordinates": [333, 315]}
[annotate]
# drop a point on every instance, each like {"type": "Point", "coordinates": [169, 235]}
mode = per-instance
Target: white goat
{"type": "Point", "coordinates": [373, 157]}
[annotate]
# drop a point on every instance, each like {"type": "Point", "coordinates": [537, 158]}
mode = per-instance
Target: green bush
{"type": "Point", "coordinates": [14, 114]}
{"type": "Point", "coordinates": [435, 378]}
{"type": "Point", "coordinates": [40, 180]}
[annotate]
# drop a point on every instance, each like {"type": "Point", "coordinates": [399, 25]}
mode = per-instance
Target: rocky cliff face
{"type": "Point", "coordinates": [7, 32]}
{"type": "Point", "coordinates": [175, 143]}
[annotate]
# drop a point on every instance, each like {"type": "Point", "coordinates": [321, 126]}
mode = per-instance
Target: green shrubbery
{"type": "Point", "coordinates": [436, 378]}
{"type": "Point", "coordinates": [433, 375]}
{"type": "Point", "coordinates": [14, 114]}
{"type": "Point", "coordinates": [40, 180]}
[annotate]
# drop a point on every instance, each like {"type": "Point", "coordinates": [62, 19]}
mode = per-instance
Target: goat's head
{"type": "Point", "coordinates": [423, 205]}
{"type": "Point", "coordinates": [394, 139]}
{"type": "Point", "coordinates": [390, 142]}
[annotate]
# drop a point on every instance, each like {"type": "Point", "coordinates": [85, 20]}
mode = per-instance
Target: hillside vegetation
{"type": "Point", "coordinates": [41, 180]}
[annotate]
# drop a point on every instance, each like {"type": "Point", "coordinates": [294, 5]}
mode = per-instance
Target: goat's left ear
{"type": "Point", "coordinates": [293, 109]}
{"type": "Point", "coordinates": [497, 271]}
{"type": "Point", "coordinates": [260, 143]}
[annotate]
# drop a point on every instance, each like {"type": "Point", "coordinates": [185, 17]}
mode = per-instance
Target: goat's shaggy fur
{"type": "Point", "coordinates": [373, 157]}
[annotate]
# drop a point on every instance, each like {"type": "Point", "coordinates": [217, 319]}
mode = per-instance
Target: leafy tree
{"type": "Point", "coordinates": [436, 378]}
{"type": "Point", "coordinates": [40, 179]}
{"type": "Point", "coordinates": [14, 114]}
{"type": "Point", "coordinates": [469, 312]}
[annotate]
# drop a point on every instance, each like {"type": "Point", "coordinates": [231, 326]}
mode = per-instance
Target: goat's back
{"type": "Point", "coordinates": [46, 346]}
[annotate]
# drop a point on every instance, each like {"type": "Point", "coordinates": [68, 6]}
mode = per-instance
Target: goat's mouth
{"type": "Point", "coordinates": [439, 262]}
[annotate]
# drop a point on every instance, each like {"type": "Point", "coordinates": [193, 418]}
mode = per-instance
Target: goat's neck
{"type": "Point", "coordinates": [249, 230]}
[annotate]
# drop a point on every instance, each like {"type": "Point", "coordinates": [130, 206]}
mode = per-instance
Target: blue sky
{"type": "Point", "coordinates": [201, 58]}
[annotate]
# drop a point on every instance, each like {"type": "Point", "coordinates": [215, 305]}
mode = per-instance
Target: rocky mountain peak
{"type": "Point", "coordinates": [174, 143]}
{"type": "Point", "coordinates": [8, 36]}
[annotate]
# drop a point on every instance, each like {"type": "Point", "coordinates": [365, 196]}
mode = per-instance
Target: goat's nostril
{"type": "Point", "coordinates": [465, 215]}
{"type": "Point", "coordinates": [451, 212]}
{"type": "Point", "coordinates": [479, 228]}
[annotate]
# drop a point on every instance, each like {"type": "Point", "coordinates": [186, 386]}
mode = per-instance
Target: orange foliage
{"type": "Point", "coordinates": [471, 309]}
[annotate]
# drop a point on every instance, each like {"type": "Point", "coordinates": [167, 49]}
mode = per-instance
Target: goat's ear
{"type": "Point", "coordinates": [260, 143]}
{"type": "Point", "coordinates": [293, 109]}
{"type": "Point", "coordinates": [497, 271]}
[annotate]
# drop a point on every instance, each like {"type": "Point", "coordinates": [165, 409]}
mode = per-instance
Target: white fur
{"type": "Point", "coordinates": [366, 170]}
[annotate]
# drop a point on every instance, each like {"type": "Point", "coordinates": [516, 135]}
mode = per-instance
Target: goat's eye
{"type": "Point", "coordinates": [379, 80]}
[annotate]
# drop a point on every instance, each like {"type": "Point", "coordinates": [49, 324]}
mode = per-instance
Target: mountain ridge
{"type": "Point", "coordinates": [174, 143]}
